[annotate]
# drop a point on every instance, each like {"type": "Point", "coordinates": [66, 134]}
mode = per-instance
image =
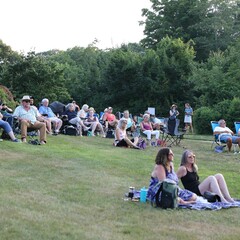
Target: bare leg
{"type": "Point", "coordinates": [211, 184]}
{"type": "Point", "coordinates": [100, 128]}
{"type": "Point", "coordinates": [223, 186]}
{"type": "Point", "coordinates": [11, 135]}
{"type": "Point", "coordinates": [48, 125]}
{"type": "Point", "coordinates": [84, 127]}
{"type": "Point", "coordinates": [130, 143]}
{"type": "Point", "coordinates": [93, 126]}
{"type": "Point", "coordinates": [229, 144]}
{"type": "Point", "coordinates": [58, 125]}
{"type": "Point", "coordinates": [135, 140]}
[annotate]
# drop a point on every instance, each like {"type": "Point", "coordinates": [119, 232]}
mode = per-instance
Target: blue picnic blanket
{"type": "Point", "coordinates": [201, 204]}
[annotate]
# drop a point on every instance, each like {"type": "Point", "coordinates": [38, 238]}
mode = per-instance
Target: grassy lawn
{"type": "Point", "coordinates": [73, 188]}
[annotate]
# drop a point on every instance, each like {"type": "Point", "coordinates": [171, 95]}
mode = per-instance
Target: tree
{"type": "Point", "coordinates": [211, 24]}
{"type": "Point", "coordinates": [177, 63]}
{"type": "Point", "coordinates": [36, 75]}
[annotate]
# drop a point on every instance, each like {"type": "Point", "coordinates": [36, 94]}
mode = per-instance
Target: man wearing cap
{"type": "Point", "coordinates": [27, 116]}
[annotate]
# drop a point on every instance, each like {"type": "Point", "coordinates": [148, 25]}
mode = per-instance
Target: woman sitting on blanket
{"type": "Point", "coordinates": [164, 169]}
{"type": "Point", "coordinates": [187, 172]}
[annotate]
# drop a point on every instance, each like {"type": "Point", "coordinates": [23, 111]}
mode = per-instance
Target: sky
{"type": "Point", "coordinates": [42, 25]}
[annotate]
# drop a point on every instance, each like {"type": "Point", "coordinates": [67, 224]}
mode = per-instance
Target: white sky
{"type": "Point", "coordinates": [42, 25]}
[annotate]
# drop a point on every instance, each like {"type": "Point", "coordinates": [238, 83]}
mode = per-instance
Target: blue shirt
{"type": "Point", "coordinates": [46, 111]}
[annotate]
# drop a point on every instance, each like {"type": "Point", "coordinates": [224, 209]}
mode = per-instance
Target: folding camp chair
{"type": "Point", "coordinates": [237, 127]}
{"type": "Point", "coordinates": [31, 132]}
{"type": "Point", "coordinates": [217, 140]}
{"type": "Point", "coordinates": [172, 135]}
{"type": "Point", "coordinates": [215, 136]}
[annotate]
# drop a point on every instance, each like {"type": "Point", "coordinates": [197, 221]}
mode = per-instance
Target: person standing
{"type": "Point", "coordinates": [173, 113]}
{"type": "Point", "coordinates": [188, 117]}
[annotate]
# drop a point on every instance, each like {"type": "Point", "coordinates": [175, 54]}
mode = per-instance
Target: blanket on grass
{"type": "Point", "coordinates": [201, 203]}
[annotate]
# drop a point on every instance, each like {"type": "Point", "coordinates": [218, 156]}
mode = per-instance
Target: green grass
{"type": "Point", "coordinates": [73, 188]}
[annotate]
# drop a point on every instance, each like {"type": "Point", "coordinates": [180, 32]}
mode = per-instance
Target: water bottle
{"type": "Point", "coordinates": [143, 194]}
{"type": "Point", "coordinates": [131, 192]}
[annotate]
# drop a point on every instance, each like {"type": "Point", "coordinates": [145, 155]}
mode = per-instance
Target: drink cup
{"type": "Point", "coordinates": [143, 194]}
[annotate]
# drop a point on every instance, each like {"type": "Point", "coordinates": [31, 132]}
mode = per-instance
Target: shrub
{"type": "Point", "coordinates": [202, 118]}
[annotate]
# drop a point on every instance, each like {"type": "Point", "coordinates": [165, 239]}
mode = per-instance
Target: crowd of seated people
{"type": "Point", "coordinates": [43, 119]}
{"type": "Point", "coordinates": [85, 119]}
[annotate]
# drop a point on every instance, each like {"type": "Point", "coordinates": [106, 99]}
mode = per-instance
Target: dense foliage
{"type": "Point", "coordinates": [190, 54]}
{"type": "Point", "coordinates": [211, 24]}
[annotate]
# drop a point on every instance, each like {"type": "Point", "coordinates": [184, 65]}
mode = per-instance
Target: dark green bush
{"type": "Point", "coordinates": [227, 109]}
{"type": "Point", "coordinates": [202, 118]}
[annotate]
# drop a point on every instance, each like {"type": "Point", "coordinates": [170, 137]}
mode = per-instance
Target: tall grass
{"type": "Point", "coordinates": [73, 188]}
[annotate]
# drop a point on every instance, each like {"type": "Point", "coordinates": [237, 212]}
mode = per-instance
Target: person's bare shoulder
{"type": "Point", "coordinates": [181, 172]}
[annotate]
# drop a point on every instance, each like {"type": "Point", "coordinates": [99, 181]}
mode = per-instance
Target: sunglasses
{"type": "Point", "coordinates": [26, 100]}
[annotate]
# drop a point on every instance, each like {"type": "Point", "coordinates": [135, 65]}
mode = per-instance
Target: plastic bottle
{"type": "Point", "coordinates": [131, 192]}
{"type": "Point", "coordinates": [143, 194]}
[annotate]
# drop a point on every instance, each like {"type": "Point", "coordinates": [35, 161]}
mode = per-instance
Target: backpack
{"type": "Point", "coordinates": [110, 134]}
{"type": "Point", "coordinates": [167, 195]}
{"type": "Point", "coordinates": [141, 143]}
{"type": "Point", "coordinates": [70, 130]}
{"type": "Point", "coordinates": [5, 136]}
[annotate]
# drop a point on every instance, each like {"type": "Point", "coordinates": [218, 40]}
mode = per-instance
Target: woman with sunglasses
{"type": "Point", "coordinates": [188, 173]}
{"type": "Point", "coordinates": [164, 169]}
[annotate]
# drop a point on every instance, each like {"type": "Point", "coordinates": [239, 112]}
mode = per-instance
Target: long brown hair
{"type": "Point", "coordinates": [162, 157]}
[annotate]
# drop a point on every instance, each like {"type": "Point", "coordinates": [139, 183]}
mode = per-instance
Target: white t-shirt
{"type": "Point", "coordinates": [222, 130]}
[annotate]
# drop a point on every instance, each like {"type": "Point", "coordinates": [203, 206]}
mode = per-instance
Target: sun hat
{"type": "Point", "coordinates": [26, 97]}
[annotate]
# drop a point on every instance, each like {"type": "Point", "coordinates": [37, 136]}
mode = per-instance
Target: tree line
{"type": "Point", "coordinates": [190, 54]}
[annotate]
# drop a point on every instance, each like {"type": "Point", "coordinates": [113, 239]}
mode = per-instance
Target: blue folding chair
{"type": "Point", "coordinates": [216, 136]}
{"type": "Point", "coordinates": [237, 127]}
{"type": "Point", "coordinates": [216, 140]}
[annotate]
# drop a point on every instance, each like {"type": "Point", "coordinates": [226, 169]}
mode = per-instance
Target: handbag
{"type": "Point", "coordinates": [211, 197]}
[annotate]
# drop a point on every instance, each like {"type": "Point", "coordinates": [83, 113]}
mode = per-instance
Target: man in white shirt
{"type": "Point", "coordinates": [27, 115]}
{"type": "Point", "coordinates": [226, 134]}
